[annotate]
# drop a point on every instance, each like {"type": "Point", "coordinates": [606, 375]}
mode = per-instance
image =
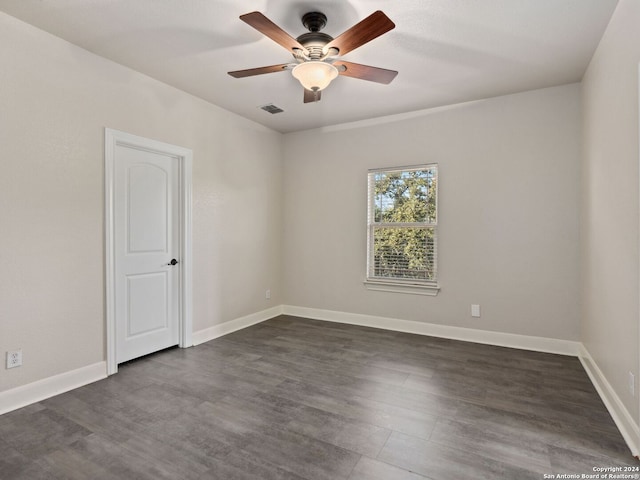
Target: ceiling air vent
{"type": "Point", "coordinates": [271, 108]}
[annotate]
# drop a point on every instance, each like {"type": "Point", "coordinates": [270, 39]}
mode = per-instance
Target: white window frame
{"type": "Point", "coordinates": [398, 285]}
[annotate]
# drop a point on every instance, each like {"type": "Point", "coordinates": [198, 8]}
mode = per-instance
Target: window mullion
{"type": "Point", "coordinates": [403, 224]}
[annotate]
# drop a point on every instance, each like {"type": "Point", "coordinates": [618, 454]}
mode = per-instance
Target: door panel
{"type": "Point", "coordinates": [146, 239]}
{"type": "Point", "coordinates": [146, 209]}
{"type": "Point", "coordinates": [146, 316]}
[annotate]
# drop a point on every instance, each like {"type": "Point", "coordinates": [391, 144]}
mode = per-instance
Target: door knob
{"type": "Point", "coordinates": [173, 262]}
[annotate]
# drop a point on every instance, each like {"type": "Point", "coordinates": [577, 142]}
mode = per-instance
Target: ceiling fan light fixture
{"type": "Point", "coordinates": [314, 52]}
{"type": "Point", "coordinates": [315, 75]}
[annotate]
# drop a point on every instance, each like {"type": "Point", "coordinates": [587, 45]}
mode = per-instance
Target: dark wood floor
{"type": "Point", "coordinates": [300, 399]}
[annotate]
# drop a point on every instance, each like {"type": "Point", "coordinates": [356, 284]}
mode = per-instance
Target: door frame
{"type": "Point", "coordinates": [637, 378]}
{"type": "Point", "coordinates": [184, 157]}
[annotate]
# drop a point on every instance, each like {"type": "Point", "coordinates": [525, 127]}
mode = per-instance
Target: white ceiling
{"type": "Point", "coordinates": [446, 51]}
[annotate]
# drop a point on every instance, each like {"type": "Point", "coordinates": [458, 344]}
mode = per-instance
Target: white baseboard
{"type": "Point", "coordinates": [231, 326]}
{"type": "Point", "coordinates": [48, 387]}
{"type": "Point", "coordinates": [624, 421]}
{"type": "Point", "coordinates": [621, 416]}
{"type": "Point", "coordinates": [34, 392]}
{"type": "Point", "coordinates": [511, 340]}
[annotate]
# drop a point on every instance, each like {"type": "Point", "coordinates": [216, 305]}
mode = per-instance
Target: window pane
{"type": "Point", "coordinates": [407, 196]}
{"type": "Point", "coordinates": [404, 253]}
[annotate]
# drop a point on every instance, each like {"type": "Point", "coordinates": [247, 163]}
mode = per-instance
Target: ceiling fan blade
{"type": "Point", "coordinates": [311, 96]}
{"type": "Point", "coordinates": [365, 72]}
{"type": "Point", "coordinates": [259, 71]}
{"type": "Point", "coordinates": [371, 27]}
{"type": "Point", "coordinates": [265, 26]}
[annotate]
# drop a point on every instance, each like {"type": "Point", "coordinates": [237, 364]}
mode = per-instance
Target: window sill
{"type": "Point", "coordinates": [401, 287]}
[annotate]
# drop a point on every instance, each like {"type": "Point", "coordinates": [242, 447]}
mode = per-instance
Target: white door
{"type": "Point", "coordinates": [146, 241]}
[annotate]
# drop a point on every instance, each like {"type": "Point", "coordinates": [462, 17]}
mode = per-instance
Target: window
{"type": "Point", "coordinates": [403, 229]}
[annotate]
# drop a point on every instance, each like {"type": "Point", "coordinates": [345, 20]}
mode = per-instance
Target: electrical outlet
{"type": "Point", "coordinates": [632, 384]}
{"type": "Point", "coordinates": [14, 359]}
{"type": "Point", "coordinates": [267, 294]}
{"type": "Point", "coordinates": [475, 310]}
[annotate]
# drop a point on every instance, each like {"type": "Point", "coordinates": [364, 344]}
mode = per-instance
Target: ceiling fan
{"type": "Point", "coordinates": [316, 54]}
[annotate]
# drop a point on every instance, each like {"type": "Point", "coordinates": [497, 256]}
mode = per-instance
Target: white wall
{"type": "Point", "coordinates": [55, 101]}
{"type": "Point", "coordinates": [610, 203]}
{"type": "Point", "coordinates": [508, 213]}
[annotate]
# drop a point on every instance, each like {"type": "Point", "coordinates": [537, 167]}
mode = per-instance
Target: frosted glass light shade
{"type": "Point", "coordinates": [315, 75]}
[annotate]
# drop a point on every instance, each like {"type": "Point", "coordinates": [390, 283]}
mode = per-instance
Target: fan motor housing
{"type": "Point", "coordinates": [315, 40]}
{"type": "Point", "coordinates": [314, 43]}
